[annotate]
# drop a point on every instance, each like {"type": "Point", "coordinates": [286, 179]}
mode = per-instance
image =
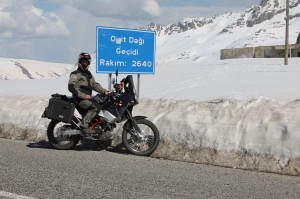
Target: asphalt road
{"type": "Point", "coordinates": [35, 170]}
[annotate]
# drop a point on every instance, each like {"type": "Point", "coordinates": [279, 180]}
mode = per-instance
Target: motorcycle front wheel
{"type": "Point", "coordinates": [143, 142]}
{"type": "Point", "coordinates": [54, 134]}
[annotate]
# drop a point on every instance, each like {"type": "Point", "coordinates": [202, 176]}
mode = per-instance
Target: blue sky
{"type": "Point", "coordinates": [57, 31]}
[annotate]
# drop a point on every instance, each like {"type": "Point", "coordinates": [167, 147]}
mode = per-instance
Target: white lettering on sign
{"type": "Point", "coordinates": [110, 62]}
{"type": "Point", "coordinates": [141, 63]}
{"type": "Point", "coordinates": [117, 40]}
{"type": "Point", "coordinates": [121, 51]}
{"type": "Point", "coordinates": [138, 41]}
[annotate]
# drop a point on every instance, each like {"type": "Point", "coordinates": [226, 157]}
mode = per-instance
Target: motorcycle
{"type": "Point", "coordinates": [139, 136]}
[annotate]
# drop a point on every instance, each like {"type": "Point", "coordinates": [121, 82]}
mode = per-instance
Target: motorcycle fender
{"type": "Point", "coordinates": [136, 118]}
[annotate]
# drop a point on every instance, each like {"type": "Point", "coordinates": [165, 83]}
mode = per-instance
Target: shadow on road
{"type": "Point", "coordinates": [84, 146]}
{"type": "Point", "coordinates": [40, 144]}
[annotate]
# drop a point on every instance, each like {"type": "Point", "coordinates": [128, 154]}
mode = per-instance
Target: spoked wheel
{"type": "Point", "coordinates": [54, 134]}
{"type": "Point", "coordinates": [143, 142]}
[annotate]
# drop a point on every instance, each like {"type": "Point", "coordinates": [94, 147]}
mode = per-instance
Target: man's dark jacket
{"type": "Point", "coordinates": [82, 83]}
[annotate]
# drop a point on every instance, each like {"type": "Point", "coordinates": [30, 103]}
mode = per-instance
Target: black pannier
{"type": "Point", "coordinates": [60, 108]}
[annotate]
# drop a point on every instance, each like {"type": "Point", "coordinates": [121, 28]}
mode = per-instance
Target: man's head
{"type": "Point", "coordinates": [84, 61]}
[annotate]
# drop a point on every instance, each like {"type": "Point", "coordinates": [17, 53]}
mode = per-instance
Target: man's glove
{"type": "Point", "coordinates": [87, 97]}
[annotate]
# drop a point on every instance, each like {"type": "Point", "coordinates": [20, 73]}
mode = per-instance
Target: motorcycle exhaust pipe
{"type": "Point", "coordinates": [71, 132]}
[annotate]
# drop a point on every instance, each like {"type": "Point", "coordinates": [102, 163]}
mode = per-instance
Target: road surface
{"type": "Point", "coordinates": [36, 170]}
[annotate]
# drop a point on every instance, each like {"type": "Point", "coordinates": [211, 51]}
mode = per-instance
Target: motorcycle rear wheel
{"type": "Point", "coordinates": [142, 143]}
{"type": "Point", "coordinates": [59, 142]}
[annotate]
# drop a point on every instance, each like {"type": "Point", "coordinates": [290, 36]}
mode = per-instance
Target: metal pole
{"type": "Point", "coordinates": [286, 57]}
{"type": "Point", "coordinates": [109, 81]}
{"type": "Point", "coordinates": [138, 85]}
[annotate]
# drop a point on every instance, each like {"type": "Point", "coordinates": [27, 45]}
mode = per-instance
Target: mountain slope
{"type": "Point", "coordinates": [29, 69]}
{"type": "Point", "coordinates": [192, 39]}
{"type": "Point", "coordinates": [199, 38]}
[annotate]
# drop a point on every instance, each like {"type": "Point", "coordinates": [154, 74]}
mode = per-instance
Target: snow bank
{"type": "Point", "coordinates": [252, 134]}
{"type": "Point", "coordinates": [20, 118]}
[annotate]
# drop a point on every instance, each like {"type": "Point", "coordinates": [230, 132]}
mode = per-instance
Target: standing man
{"type": "Point", "coordinates": [81, 84]}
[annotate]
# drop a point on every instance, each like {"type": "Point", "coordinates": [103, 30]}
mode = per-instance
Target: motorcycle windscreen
{"type": "Point", "coordinates": [131, 86]}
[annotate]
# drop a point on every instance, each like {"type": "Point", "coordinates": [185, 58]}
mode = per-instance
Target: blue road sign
{"type": "Point", "coordinates": [130, 51]}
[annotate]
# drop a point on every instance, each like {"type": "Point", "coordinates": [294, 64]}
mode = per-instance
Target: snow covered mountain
{"type": "Point", "coordinates": [198, 38]}
{"type": "Point", "coordinates": [193, 39]}
{"type": "Point", "coordinates": [266, 11]}
{"type": "Point", "coordinates": [29, 69]}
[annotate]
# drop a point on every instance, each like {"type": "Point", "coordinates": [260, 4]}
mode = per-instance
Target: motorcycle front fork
{"type": "Point", "coordinates": [133, 122]}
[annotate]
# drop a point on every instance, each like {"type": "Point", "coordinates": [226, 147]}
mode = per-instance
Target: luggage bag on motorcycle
{"type": "Point", "coordinates": [60, 109]}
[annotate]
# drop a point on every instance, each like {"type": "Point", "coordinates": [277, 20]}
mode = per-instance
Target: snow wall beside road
{"type": "Point", "coordinates": [257, 134]}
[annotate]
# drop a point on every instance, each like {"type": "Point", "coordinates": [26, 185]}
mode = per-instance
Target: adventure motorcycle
{"type": "Point", "coordinates": [139, 136]}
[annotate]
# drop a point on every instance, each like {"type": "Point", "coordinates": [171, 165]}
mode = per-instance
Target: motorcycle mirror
{"type": "Point", "coordinates": [117, 72]}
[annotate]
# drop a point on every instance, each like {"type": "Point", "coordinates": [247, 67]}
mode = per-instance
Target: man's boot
{"type": "Point", "coordinates": [88, 131]}
{"type": "Point", "coordinates": [85, 125]}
